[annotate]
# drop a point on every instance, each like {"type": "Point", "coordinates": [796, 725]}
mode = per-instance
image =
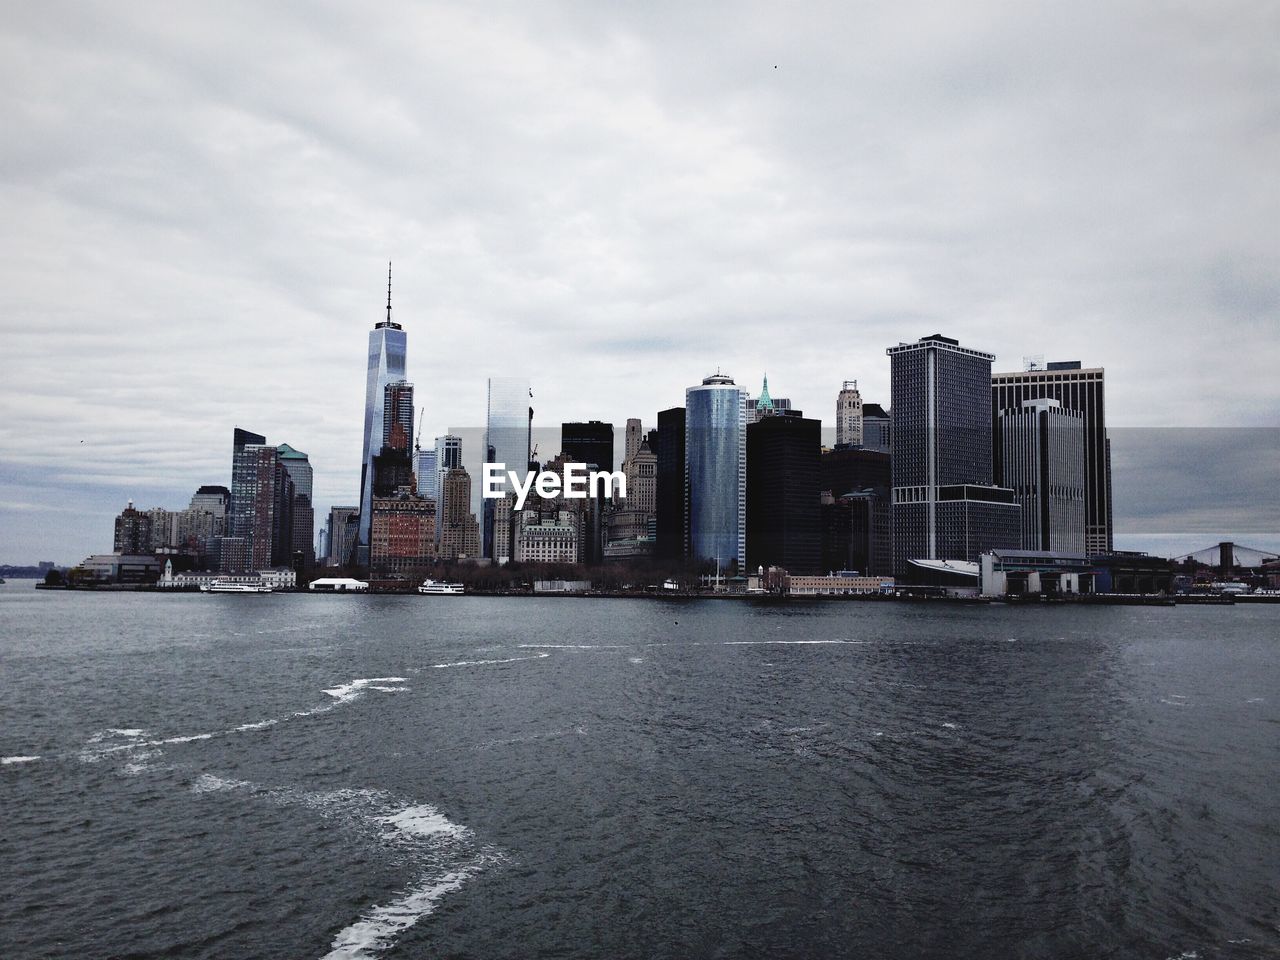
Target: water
{"type": "Point", "coordinates": [306, 777]}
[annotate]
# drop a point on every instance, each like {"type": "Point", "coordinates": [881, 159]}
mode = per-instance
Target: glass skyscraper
{"type": "Point", "coordinates": [387, 346]}
{"type": "Point", "coordinates": [716, 470]}
{"type": "Point", "coordinates": [507, 436]}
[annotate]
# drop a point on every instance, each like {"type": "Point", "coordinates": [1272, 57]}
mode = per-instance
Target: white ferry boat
{"type": "Point", "coordinates": [228, 586]}
{"type": "Point", "coordinates": [442, 588]}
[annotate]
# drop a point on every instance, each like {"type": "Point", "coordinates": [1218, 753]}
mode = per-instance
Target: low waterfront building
{"type": "Point", "coordinates": [1032, 572]}
{"type": "Point", "coordinates": [1124, 571]}
{"type": "Point", "coordinates": [843, 583]}
{"type": "Point", "coordinates": [118, 568]}
{"type": "Point", "coordinates": [338, 585]}
{"type": "Point", "coordinates": [281, 578]}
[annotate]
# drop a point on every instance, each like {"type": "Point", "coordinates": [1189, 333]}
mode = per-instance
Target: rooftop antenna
{"type": "Point", "coordinates": [388, 291]}
{"type": "Point", "coordinates": [1034, 361]}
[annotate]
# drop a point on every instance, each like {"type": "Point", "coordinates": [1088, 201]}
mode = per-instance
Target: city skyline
{"type": "Point", "coordinates": [601, 205]}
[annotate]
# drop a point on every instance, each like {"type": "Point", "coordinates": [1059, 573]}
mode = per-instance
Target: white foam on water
{"type": "Point", "coordinates": [424, 820]}
{"type": "Point", "coordinates": [571, 646]}
{"type": "Point", "coordinates": [349, 691]}
{"type": "Point", "coordinates": [259, 725]}
{"type": "Point", "coordinates": [377, 928]}
{"type": "Point", "coordinates": [1174, 703]}
{"type": "Point", "coordinates": [390, 689]}
{"type": "Point", "coordinates": [1254, 700]}
{"type": "Point", "coordinates": [6, 761]}
{"type": "Point", "coordinates": [132, 732]}
{"type": "Point", "coordinates": [209, 783]}
{"type": "Point", "coordinates": [951, 726]}
{"type": "Point", "coordinates": [190, 739]}
{"type": "Point", "coordinates": [788, 643]}
{"type": "Point", "coordinates": [635, 659]}
{"type": "Point", "coordinates": [482, 663]}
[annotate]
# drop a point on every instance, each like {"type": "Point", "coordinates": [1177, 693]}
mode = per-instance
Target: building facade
{"type": "Point", "coordinates": [783, 508]}
{"type": "Point", "coordinates": [944, 503]}
{"type": "Point", "coordinates": [460, 533]}
{"type": "Point", "coordinates": [849, 415]}
{"type": "Point", "coordinates": [508, 438]}
{"type": "Point", "coordinates": [590, 442]}
{"type": "Point", "coordinates": [403, 534]}
{"type": "Point", "coordinates": [1081, 390]}
{"type": "Point", "coordinates": [1042, 461]}
{"type": "Point", "coordinates": [671, 505]}
{"type": "Point", "coordinates": [716, 471]}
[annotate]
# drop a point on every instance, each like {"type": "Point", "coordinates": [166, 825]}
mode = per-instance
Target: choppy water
{"type": "Point", "coordinates": [306, 777]}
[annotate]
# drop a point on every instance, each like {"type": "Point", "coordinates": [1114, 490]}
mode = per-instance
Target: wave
{"type": "Point", "coordinates": [482, 663]}
{"type": "Point", "coordinates": [6, 761]}
{"type": "Point", "coordinates": [788, 643]}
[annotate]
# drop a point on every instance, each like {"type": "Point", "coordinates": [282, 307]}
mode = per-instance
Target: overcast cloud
{"type": "Point", "coordinates": [199, 202]}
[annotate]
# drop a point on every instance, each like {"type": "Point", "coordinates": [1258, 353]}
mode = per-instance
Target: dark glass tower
{"type": "Point", "coordinates": [783, 509]}
{"type": "Point", "coordinates": [670, 500]}
{"type": "Point", "coordinates": [590, 442]}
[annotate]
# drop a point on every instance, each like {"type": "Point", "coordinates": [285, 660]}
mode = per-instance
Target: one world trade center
{"type": "Point", "coordinates": [387, 342]}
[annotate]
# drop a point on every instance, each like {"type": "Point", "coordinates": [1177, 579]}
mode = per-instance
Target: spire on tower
{"type": "Point", "coordinates": [388, 291]}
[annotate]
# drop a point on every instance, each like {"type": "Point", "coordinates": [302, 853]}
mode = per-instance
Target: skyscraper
{"type": "Point", "coordinates": [876, 433]}
{"type": "Point", "coordinates": [393, 463]}
{"type": "Point", "coordinates": [632, 440]}
{"type": "Point", "coordinates": [849, 416]}
{"type": "Point", "coordinates": [507, 437]}
{"type": "Point", "coordinates": [262, 494]}
{"type": "Point", "coordinates": [944, 504]}
{"type": "Point", "coordinates": [387, 346]}
{"type": "Point", "coordinates": [1042, 461]}
{"type": "Point", "coordinates": [1080, 390]}
{"type": "Point", "coordinates": [303, 517]}
{"type": "Point", "coordinates": [783, 508]}
{"type": "Point", "coordinates": [448, 457]}
{"type": "Point", "coordinates": [716, 470]}
{"type": "Point", "coordinates": [460, 536]}
{"type": "Point", "coordinates": [590, 442]}
{"type": "Point", "coordinates": [670, 506]}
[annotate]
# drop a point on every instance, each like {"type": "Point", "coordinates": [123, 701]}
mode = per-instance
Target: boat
{"type": "Point", "coordinates": [230, 586]}
{"type": "Point", "coordinates": [441, 588]}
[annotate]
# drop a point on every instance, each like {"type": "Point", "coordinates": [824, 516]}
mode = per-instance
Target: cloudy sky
{"type": "Point", "coordinates": [200, 201]}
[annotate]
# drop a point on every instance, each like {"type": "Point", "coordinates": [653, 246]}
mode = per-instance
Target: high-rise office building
{"type": "Point", "coordinates": [634, 434]}
{"type": "Point", "coordinates": [424, 471]}
{"type": "Point", "coordinates": [716, 471]}
{"type": "Point", "coordinates": [849, 415]}
{"type": "Point", "coordinates": [344, 525]}
{"type": "Point", "coordinates": [590, 442]}
{"type": "Point", "coordinates": [386, 364]}
{"type": "Point", "coordinates": [460, 535]}
{"type": "Point", "coordinates": [508, 438]}
{"type": "Point", "coordinates": [783, 508]}
{"type": "Point", "coordinates": [241, 437]}
{"type": "Point", "coordinates": [945, 506]}
{"type": "Point", "coordinates": [876, 431]}
{"type": "Point", "coordinates": [403, 534]}
{"type": "Point", "coordinates": [671, 503]}
{"type": "Point", "coordinates": [1042, 461]}
{"type": "Point", "coordinates": [766, 405]}
{"type": "Point", "coordinates": [397, 415]}
{"type": "Point", "coordinates": [857, 533]}
{"type": "Point", "coordinates": [448, 457]}
{"type": "Point", "coordinates": [303, 517]}
{"type": "Point", "coordinates": [132, 531]}
{"type": "Point", "coordinates": [1081, 390]}
{"type": "Point", "coordinates": [262, 495]}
